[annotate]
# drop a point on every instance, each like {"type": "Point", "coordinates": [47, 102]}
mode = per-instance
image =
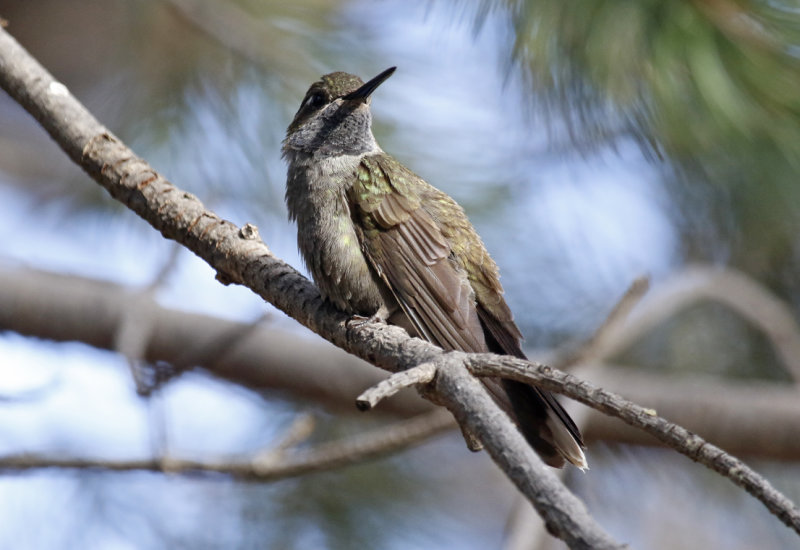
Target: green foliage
{"type": "Point", "coordinates": [685, 74]}
{"type": "Point", "coordinates": [711, 86]}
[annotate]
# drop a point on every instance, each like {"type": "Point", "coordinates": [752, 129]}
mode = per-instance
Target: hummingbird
{"type": "Point", "coordinates": [383, 244]}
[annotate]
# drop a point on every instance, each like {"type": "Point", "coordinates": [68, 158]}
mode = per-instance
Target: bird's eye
{"type": "Point", "coordinates": [315, 100]}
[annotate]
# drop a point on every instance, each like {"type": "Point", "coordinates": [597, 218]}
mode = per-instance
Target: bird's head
{"type": "Point", "coordinates": [334, 117]}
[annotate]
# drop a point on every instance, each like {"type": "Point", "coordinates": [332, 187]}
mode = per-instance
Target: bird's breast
{"type": "Point", "coordinates": [327, 238]}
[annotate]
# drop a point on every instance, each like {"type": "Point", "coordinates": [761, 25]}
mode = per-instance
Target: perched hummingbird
{"type": "Point", "coordinates": [382, 243]}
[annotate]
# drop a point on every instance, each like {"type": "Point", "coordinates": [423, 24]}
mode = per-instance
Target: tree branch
{"type": "Point", "coordinates": [668, 433]}
{"type": "Point", "coordinates": [593, 348]}
{"type": "Point", "coordinates": [421, 374]}
{"type": "Point", "coordinates": [73, 308]}
{"type": "Point", "coordinates": [240, 258]}
{"type": "Point", "coordinates": [753, 418]}
{"type": "Point", "coordinates": [745, 417]}
{"type": "Point", "coordinates": [564, 515]}
{"type": "Point", "coordinates": [273, 465]}
{"type": "Point", "coordinates": [727, 286]}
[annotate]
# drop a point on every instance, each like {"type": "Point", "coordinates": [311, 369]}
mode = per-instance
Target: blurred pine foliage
{"type": "Point", "coordinates": [712, 86]}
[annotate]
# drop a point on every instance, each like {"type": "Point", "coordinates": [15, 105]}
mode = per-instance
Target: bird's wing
{"type": "Point", "coordinates": [406, 248]}
{"type": "Point", "coordinates": [449, 288]}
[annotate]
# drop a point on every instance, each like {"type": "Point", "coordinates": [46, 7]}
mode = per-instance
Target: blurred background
{"type": "Point", "coordinates": [590, 142]}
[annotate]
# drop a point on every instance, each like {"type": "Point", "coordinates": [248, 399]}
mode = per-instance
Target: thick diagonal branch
{"type": "Point", "coordinates": [241, 259]}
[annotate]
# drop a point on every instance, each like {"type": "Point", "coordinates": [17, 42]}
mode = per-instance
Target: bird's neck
{"type": "Point", "coordinates": [318, 178]}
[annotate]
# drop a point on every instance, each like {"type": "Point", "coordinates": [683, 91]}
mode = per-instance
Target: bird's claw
{"type": "Point", "coordinates": [379, 316]}
{"type": "Point", "coordinates": [359, 320]}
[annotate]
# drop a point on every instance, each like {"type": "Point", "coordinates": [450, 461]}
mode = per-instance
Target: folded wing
{"type": "Point", "coordinates": [449, 289]}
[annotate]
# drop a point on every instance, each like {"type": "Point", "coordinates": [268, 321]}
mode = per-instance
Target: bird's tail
{"type": "Point", "coordinates": [542, 420]}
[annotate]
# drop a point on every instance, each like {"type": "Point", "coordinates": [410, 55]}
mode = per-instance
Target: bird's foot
{"type": "Point", "coordinates": [379, 316]}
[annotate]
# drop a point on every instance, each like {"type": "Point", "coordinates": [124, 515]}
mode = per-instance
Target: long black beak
{"type": "Point", "coordinates": [366, 90]}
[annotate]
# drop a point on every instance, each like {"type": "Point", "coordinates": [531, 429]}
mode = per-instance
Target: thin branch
{"type": "Point", "coordinates": [270, 466]}
{"type": "Point", "coordinates": [131, 339]}
{"type": "Point", "coordinates": [421, 374]}
{"type": "Point", "coordinates": [746, 417]}
{"type": "Point", "coordinates": [299, 431]}
{"type": "Point", "coordinates": [615, 319]}
{"type": "Point", "coordinates": [727, 286]}
{"type": "Point", "coordinates": [668, 433]}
